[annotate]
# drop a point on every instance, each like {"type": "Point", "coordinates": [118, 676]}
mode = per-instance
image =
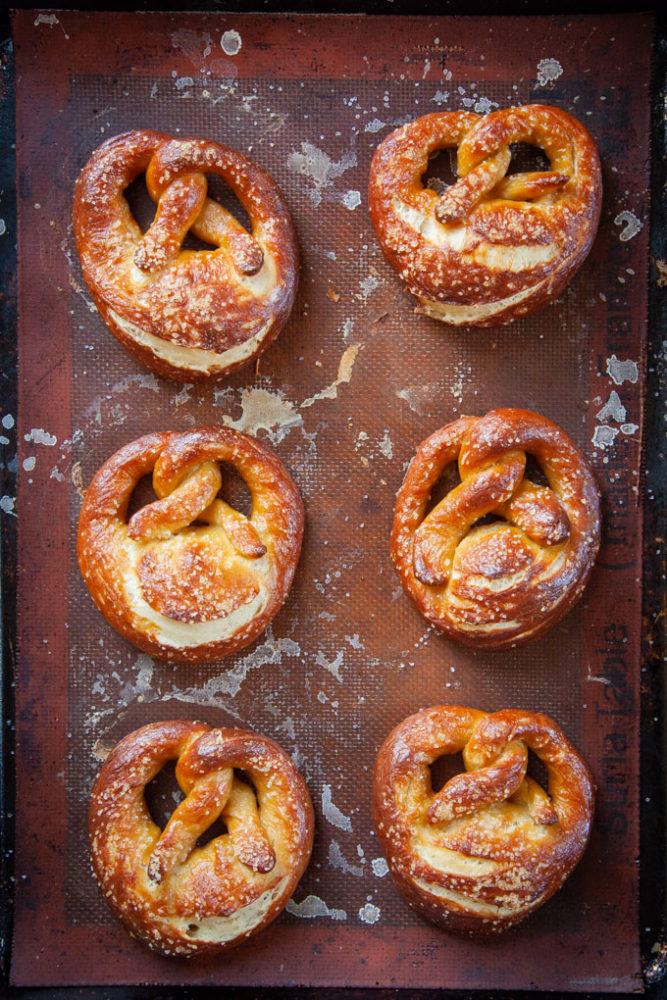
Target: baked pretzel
{"type": "Point", "coordinates": [491, 846]}
{"type": "Point", "coordinates": [186, 314]}
{"type": "Point", "coordinates": [175, 896]}
{"type": "Point", "coordinates": [507, 580]}
{"type": "Point", "coordinates": [187, 577]}
{"type": "Point", "coordinates": [491, 248]}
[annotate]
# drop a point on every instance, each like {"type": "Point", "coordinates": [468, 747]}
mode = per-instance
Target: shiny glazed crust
{"type": "Point", "coordinates": [187, 314]}
{"type": "Point", "coordinates": [509, 580]}
{"type": "Point", "coordinates": [491, 846]}
{"type": "Point", "coordinates": [491, 248]}
{"type": "Point", "coordinates": [178, 898]}
{"type": "Point", "coordinates": [187, 577]}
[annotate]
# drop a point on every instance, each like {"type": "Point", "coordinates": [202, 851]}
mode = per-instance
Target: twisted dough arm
{"type": "Point", "coordinates": [570, 784]}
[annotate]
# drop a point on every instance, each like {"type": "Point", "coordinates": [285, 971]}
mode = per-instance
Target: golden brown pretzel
{"type": "Point", "coordinates": [187, 577]}
{"type": "Point", "coordinates": [179, 898]}
{"type": "Point", "coordinates": [505, 581]}
{"type": "Point", "coordinates": [491, 248]}
{"type": "Point", "coordinates": [491, 846]}
{"type": "Point", "coordinates": [187, 314]}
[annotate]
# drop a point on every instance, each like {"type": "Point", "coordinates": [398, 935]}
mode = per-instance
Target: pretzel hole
{"type": "Point", "coordinates": [537, 770]}
{"type": "Point", "coordinates": [142, 495]}
{"type": "Point", "coordinates": [216, 829]}
{"type": "Point", "coordinates": [448, 480]}
{"type": "Point", "coordinates": [441, 171]}
{"type": "Point", "coordinates": [219, 191]}
{"type": "Point", "coordinates": [143, 208]}
{"type": "Point", "coordinates": [527, 159]}
{"type": "Point", "coordinates": [445, 767]}
{"type": "Point", "coordinates": [534, 472]}
{"type": "Point", "coordinates": [163, 794]}
{"type": "Point", "coordinates": [141, 204]}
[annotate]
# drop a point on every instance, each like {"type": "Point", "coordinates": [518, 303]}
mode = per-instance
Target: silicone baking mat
{"type": "Point", "coordinates": [355, 381]}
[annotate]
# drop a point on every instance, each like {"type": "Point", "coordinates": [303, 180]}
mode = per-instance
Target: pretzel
{"type": "Point", "coordinates": [186, 314]}
{"type": "Point", "coordinates": [491, 846]}
{"type": "Point", "coordinates": [509, 580]}
{"type": "Point", "coordinates": [187, 577]}
{"type": "Point", "coordinates": [491, 248]}
{"type": "Point", "coordinates": [175, 896]}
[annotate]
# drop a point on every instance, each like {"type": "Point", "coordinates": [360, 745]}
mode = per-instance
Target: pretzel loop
{"type": "Point", "coordinates": [185, 899]}
{"type": "Point", "coordinates": [188, 314]}
{"type": "Point", "coordinates": [508, 579]}
{"type": "Point", "coordinates": [492, 845]}
{"type": "Point", "coordinates": [491, 248]}
{"type": "Point", "coordinates": [188, 576]}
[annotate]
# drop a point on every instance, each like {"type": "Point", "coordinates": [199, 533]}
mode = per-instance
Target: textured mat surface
{"type": "Point", "coordinates": [354, 382]}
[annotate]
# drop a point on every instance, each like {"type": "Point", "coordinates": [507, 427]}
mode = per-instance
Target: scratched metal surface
{"type": "Point", "coordinates": [352, 385]}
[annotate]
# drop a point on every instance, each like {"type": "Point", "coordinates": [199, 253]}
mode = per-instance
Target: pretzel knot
{"type": "Point", "coordinates": [491, 247]}
{"type": "Point", "coordinates": [178, 897]}
{"type": "Point", "coordinates": [491, 846]}
{"type": "Point", "coordinates": [500, 559]}
{"type": "Point", "coordinates": [187, 314]}
{"type": "Point", "coordinates": [187, 576]}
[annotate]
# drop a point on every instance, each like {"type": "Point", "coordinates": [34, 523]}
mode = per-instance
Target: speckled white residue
{"type": "Point", "coordinates": [622, 371]}
{"type": "Point", "coordinates": [483, 106]}
{"type": "Point", "coordinates": [3, 227]}
{"type": "Point", "coordinates": [351, 199]}
{"type": "Point", "coordinates": [421, 397]}
{"type": "Point", "coordinates": [40, 436]}
{"type": "Point", "coordinates": [196, 45]}
{"type": "Point", "coordinates": [229, 682]}
{"type": "Point", "coordinates": [7, 505]}
{"type": "Point", "coordinates": [231, 43]}
{"type": "Point", "coordinates": [138, 688]}
{"type": "Point", "coordinates": [141, 688]}
{"type": "Point", "coordinates": [4, 439]}
{"type": "Point", "coordinates": [262, 410]}
{"type": "Point", "coordinates": [386, 446]}
{"type": "Point", "coordinates": [98, 413]}
{"type": "Point", "coordinates": [604, 436]}
{"type": "Point", "coordinates": [49, 19]}
{"type": "Point", "coordinates": [8, 421]}
{"type": "Point", "coordinates": [338, 861]}
{"type": "Point", "coordinates": [319, 168]}
{"type": "Point", "coordinates": [548, 70]}
{"type": "Point", "coordinates": [29, 463]}
{"type": "Point", "coordinates": [613, 409]}
{"type": "Point", "coordinates": [345, 366]}
{"type": "Point", "coordinates": [369, 913]}
{"type": "Point", "coordinates": [380, 867]}
{"type": "Point", "coordinates": [631, 225]}
{"type": "Point", "coordinates": [332, 813]}
{"type": "Point", "coordinates": [368, 285]}
{"type": "Point", "coordinates": [354, 641]}
{"type": "Point", "coordinates": [599, 680]}
{"type": "Point", "coordinates": [313, 906]}
{"type": "Point", "coordinates": [182, 82]}
{"type": "Point", "coordinates": [375, 125]}
{"type": "Point", "coordinates": [333, 666]}
{"type": "Point", "coordinates": [440, 97]}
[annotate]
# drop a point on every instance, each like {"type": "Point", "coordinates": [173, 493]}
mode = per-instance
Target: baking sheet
{"type": "Point", "coordinates": [354, 382]}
